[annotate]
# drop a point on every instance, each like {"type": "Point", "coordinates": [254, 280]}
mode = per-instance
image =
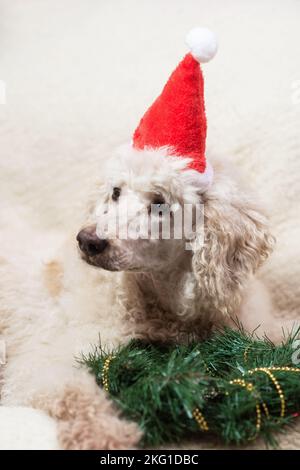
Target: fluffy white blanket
{"type": "Point", "coordinates": [79, 76]}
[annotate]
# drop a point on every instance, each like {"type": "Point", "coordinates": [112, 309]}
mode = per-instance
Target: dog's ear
{"type": "Point", "coordinates": [236, 242]}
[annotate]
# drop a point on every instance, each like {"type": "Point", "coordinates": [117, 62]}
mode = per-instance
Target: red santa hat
{"type": "Point", "coordinates": [176, 120]}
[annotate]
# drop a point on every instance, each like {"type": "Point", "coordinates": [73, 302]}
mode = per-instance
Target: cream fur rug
{"type": "Point", "coordinates": [80, 74]}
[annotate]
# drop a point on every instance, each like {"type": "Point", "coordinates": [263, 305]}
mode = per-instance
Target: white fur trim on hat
{"type": "Point", "coordinates": [202, 181]}
{"type": "Point", "coordinates": [203, 44]}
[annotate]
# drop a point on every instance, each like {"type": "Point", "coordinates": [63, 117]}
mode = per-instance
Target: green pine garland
{"type": "Point", "coordinates": [232, 386]}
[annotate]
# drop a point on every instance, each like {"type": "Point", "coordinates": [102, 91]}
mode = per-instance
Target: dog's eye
{"type": "Point", "coordinates": [158, 201]}
{"type": "Point", "coordinates": [116, 193]}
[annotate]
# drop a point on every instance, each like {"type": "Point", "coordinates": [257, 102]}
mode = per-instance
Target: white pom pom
{"type": "Point", "coordinates": [203, 44]}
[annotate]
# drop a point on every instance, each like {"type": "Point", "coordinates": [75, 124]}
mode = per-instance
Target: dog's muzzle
{"type": "Point", "coordinates": [89, 242]}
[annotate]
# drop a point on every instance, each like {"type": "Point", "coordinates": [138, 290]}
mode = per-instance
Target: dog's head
{"type": "Point", "coordinates": [153, 211]}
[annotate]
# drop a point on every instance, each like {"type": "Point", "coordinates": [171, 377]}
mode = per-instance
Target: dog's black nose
{"type": "Point", "coordinates": [90, 243]}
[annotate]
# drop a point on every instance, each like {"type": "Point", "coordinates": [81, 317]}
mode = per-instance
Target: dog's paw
{"type": "Point", "coordinates": [103, 431]}
{"type": "Point", "coordinates": [279, 330]}
{"type": "Point", "coordinates": [89, 421]}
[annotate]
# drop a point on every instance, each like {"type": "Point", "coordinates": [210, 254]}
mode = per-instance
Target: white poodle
{"type": "Point", "coordinates": [162, 290]}
{"type": "Point", "coordinates": [165, 288]}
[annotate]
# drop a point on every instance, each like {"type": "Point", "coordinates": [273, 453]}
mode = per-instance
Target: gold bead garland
{"type": "Point", "coordinates": [105, 372]}
{"type": "Point", "coordinates": [198, 416]}
{"type": "Point", "coordinates": [266, 370]}
{"type": "Point", "coordinates": [266, 410]}
{"type": "Point", "coordinates": [250, 387]}
{"type": "Point", "coordinates": [246, 352]}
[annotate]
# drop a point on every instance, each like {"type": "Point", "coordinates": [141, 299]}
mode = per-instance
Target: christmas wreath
{"type": "Point", "coordinates": [232, 385]}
